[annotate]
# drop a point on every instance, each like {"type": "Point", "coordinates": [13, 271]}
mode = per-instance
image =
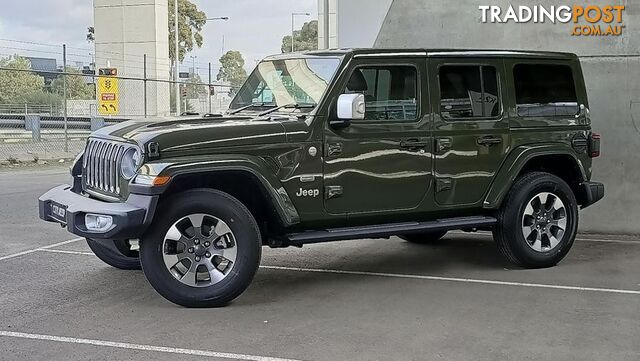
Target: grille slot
{"type": "Point", "coordinates": [101, 165]}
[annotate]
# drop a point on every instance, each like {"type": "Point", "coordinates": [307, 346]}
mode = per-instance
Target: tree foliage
{"type": "Point", "coordinates": [16, 85]}
{"type": "Point", "coordinates": [190, 23]}
{"type": "Point", "coordinates": [305, 39]}
{"type": "Point", "coordinates": [77, 87]}
{"type": "Point", "coordinates": [232, 68]}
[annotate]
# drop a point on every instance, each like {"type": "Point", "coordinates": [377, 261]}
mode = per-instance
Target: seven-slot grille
{"type": "Point", "coordinates": [101, 165]}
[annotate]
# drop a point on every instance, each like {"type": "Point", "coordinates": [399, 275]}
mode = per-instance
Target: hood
{"type": "Point", "coordinates": [198, 134]}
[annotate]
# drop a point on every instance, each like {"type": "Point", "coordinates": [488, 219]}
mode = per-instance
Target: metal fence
{"type": "Point", "coordinates": [48, 114]}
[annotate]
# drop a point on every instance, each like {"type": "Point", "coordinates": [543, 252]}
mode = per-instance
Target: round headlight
{"type": "Point", "coordinates": [130, 163]}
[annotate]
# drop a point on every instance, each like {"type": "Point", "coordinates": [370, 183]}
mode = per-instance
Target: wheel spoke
{"type": "Point", "coordinates": [230, 253]}
{"type": "Point", "coordinates": [174, 234]}
{"type": "Point", "coordinates": [214, 273]}
{"type": "Point", "coordinates": [556, 205]}
{"type": "Point", "coordinates": [221, 229]}
{"type": "Point", "coordinates": [527, 230]}
{"type": "Point", "coordinates": [537, 244]}
{"type": "Point", "coordinates": [553, 240]}
{"type": "Point", "coordinates": [189, 277]}
{"type": "Point", "coordinates": [196, 220]}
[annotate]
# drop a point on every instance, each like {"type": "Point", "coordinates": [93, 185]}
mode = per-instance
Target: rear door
{"type": "Point", "coordinates": [470, 129]}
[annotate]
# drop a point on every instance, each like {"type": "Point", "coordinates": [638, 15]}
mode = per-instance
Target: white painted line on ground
{"type": "Point", "coordinates": [39, 249]}
{"type": "Point", "coordinates": [66, 252]}
{"type": "Point", "coordinates": [454, 279]}
{"type": "Point", "coordinates": [488, 235]}
{"type": "Point", "coordinates": [133, 346]}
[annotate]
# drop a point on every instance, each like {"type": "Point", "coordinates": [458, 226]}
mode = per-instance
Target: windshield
{"type": "Point", "coordinates": [297, 84]}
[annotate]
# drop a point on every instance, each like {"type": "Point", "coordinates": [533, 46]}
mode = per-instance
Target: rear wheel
{"type": "Point", "coordinates": [538, 221]}
{"type": "Point", "coordinates": [202, 250]}
{"type": "Point", "coordinates": [424, 238]}
{"type": "Point", "coordinates": [116, 253]}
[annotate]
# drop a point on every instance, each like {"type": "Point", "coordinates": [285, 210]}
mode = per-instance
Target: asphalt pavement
{"type": "Point", "coordinates": [352, 300]}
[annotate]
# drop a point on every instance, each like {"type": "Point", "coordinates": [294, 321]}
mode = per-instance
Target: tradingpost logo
{"type": "Point", "coordinates": [587, 20]}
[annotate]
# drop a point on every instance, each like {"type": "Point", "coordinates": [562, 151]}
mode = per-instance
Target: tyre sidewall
{"type": "Point", "coordinates": [248, 244]}
{"type": "Point", "coordinates": [514, 211]}
{"type": "Point", "coordinates": [112, 258]}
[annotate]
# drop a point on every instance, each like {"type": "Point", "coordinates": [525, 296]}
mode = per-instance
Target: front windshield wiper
{"type": "Point", "coordinates": [292, 105]}
{"type": "Point", "coordinates": [252, 105]}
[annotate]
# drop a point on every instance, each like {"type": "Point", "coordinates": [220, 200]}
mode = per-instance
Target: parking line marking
{"type": "Point", "coordinates": [488, 235]}
{"type": "Point", "coordinates": [66, 252]}
{"type": "Point", "coordinates": [133, 346]}
{"type": "Point", "coordinates": [40, 248]}
{"type": "Point", "coordinates": [455, 279]}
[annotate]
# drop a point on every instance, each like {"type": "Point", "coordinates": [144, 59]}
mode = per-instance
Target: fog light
{"type": "Point", "coordinates": [98, 222]}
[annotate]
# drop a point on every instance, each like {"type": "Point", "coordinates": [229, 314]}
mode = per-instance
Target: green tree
{"type": "Point", "coordinates": [305, 38]}
{"type": "Point", "coordinates": [77, 88]}
{"type": "Point", "coordinates": [232, 68]}
{"type": "Point", "coordinates": [16, 85]}
{"type": "Point", "coordinates": [190, 23]}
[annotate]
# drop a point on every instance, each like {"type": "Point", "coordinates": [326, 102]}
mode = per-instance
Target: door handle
{"type": "Point", "coordinates": [489, 140]}
{"type": "Point", "coordinates": [413, 143]}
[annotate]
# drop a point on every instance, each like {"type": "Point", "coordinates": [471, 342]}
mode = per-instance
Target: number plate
{"type": "Point", "coordinates": [59, 212]}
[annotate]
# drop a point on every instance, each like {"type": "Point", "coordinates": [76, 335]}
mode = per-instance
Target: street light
{"type": "Point", "coordinates": [293, 16]}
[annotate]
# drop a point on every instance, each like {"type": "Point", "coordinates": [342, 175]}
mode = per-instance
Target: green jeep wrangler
{"type": "Point", "coordinates": [335, 145]}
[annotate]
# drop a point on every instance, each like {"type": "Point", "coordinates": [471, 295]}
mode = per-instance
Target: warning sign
{"type": "Point", "coordinates": [108, 95]}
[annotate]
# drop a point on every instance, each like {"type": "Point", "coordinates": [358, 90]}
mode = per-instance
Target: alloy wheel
{"type": "Point", "coordinates": [544, 222]}
{"type": "Point", "coordinates": [199, 250]}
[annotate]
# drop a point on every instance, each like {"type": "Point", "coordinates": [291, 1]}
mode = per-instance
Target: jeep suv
{"type": "Point", "coordinates": [335, 145]}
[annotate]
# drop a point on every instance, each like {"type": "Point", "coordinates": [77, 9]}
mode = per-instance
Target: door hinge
{"type": "Point", "coordinates": [332, 192]}
{"type": "Point", "coordinates": [443, 184]}
{"type": "Point", "coordinates": [334, 149]}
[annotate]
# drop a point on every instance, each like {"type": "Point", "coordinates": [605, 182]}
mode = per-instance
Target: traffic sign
{"type": "Point", "coordinates": [108, 92]}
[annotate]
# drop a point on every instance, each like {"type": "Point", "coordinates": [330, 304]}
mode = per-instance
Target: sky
{"type": "Point", "coordinates": [255, 27]}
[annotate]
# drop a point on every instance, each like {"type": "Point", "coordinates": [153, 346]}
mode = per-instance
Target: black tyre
{"type": "Point", "coordinates": [424, 238]}
{"type": "Point", "coordinates": [117, 254]}
{"type": "Point", "coordinates": [538, 221]}
{"type": "Point", "coordinates": [202, 249]}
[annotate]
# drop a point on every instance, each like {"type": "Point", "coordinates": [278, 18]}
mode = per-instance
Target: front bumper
{"type": "Point", "coordinates": [130, 218]}
{"type": "Point", "coordinates": [593, 192]}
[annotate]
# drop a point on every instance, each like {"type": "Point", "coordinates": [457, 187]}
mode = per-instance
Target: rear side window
{"type": "Point", "coordinates": [544, 90]}
{"type": "Point", "coordinates": [468, 92]}
{"type": "Point", "coordinates": [390, 92]}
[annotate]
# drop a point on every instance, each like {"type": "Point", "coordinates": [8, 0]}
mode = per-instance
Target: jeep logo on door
{"type": "Point", "coordinates": [308, 193]}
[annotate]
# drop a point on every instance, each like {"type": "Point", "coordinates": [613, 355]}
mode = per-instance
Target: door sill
{"type": "Point", "coordinates": [387, 230]}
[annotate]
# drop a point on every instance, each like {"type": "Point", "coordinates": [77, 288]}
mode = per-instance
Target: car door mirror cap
{"type": "Point", "coordinates": [351, 107]}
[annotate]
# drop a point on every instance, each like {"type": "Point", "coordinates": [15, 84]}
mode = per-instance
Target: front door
{"type": "Point", "coordinates": [381, 163]}
{"type": "Point", "coordinates": [471, 130]}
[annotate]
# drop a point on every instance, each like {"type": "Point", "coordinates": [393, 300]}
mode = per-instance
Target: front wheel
{"type": "Point", "coordinates": [116, 253]}
{"type": "Point", "coordinates": [538, 221]}
{"type": "Point", "coordinates": [202, 250]}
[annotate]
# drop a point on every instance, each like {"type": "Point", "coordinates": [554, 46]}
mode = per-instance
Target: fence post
{"type": "Point", "coordinates": [32, 123]}
{"type": "Point", "coordinates": [209, 90]}
{"type": "Point", "coordinates": [64, 95]}
{"type": "Point", "coordinates": [145, 84]}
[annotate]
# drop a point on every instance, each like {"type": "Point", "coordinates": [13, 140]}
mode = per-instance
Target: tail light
{"type": "Point", "coordinates": [594, 145]}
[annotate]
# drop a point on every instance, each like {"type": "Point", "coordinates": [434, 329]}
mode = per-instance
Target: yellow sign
{"type": "Point", "coordinates": [108, 95]}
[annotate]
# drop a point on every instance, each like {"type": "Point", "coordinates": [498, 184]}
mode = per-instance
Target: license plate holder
{"type": "Point", "coordinates": [59, 212]}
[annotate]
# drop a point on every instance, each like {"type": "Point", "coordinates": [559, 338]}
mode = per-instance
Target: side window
{"type": "Point", "coordinates": [545, 90]}
{"type": "Point", "coordinates": [469, 91]}
{"type": "Point", "coordinates": [390, 91]}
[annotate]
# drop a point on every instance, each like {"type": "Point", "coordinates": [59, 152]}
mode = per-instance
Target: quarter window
{"type": "Point", "coordinates": [544, 90]}
{"type": "Point", "coordinates": [390, 92]}
{"type": "Point", "coordinates": [469, 92]}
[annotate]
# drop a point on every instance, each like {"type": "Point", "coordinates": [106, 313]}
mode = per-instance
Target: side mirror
{"type": "Point", "coordinates": [350, 107]}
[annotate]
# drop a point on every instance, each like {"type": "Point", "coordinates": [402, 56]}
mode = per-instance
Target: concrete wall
{"type": "Point", "coordinates": [126, 30]}
{"type": "Point", "coordinates": [612, 73]}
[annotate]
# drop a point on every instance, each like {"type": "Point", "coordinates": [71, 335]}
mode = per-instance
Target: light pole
{"type": "Point", "coordinates": [176, 57]}
{"type": "Point", "coordinates": [293, 17]}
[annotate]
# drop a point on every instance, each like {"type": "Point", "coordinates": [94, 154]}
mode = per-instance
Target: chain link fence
{"type": "Point", "coordinates": [49, 113]}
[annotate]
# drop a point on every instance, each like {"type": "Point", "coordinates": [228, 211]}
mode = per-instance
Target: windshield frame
{"type": "Point", "coordinates": [260, 107]}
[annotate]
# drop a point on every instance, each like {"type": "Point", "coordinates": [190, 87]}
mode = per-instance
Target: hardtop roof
{"type": "Point", "coordinates": [386, 52]}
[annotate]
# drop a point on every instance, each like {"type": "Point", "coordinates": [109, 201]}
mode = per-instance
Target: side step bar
{"type": "Point", "coordinates": [386, 230]}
